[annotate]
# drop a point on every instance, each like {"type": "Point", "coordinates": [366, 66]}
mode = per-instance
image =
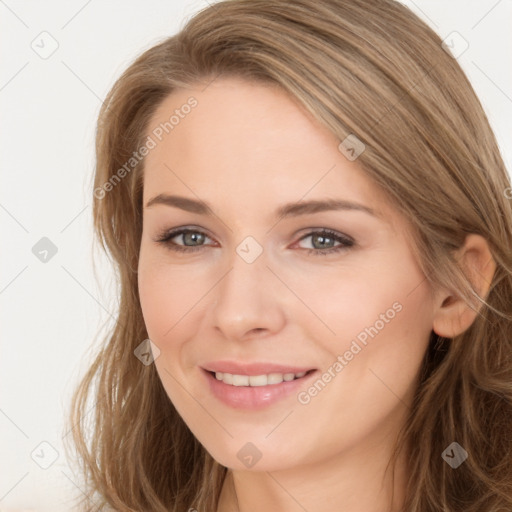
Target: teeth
{"type": "Point", "coordinates": [257, 380]}
{"type": "Point", "coordinates": [240, 380]}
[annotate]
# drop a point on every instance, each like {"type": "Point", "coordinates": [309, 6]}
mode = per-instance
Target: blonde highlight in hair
{"type": "Point", "coordinates": [364, 67]}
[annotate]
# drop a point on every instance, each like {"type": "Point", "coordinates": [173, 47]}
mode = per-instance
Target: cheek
{"type": "Point", "coordinates": [382, 331]}
{"type": "Point", "coordinates": [370, 388]}
{"type": "Point", "coordinates": [171, 306]}
{"type": "Point", "coordinates": [380, 320]}
{"type": "Point", "coordinates": [361, 298]}
{"type": "Point", "coordinates": [169, 295]}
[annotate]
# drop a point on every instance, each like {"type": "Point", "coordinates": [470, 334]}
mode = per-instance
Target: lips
{"type": "Point", "coordinates": [254, 385]}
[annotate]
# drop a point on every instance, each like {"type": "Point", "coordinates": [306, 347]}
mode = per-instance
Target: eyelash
{"type": "Point", "coordinates": [346, 242]}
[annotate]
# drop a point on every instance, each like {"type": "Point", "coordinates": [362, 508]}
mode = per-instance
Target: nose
{"type": "Point", "coordinates": [249, 300]}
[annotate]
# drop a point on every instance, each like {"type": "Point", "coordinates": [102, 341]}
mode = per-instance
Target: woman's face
{"type": "Point", "coordinates": [297, 264]}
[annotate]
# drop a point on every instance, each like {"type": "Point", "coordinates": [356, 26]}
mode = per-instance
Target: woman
{"type": "Point", "coordinates": [245, 372]}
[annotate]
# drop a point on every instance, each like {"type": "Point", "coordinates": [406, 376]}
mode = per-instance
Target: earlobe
{"type": "Point", "coordinates": [452, 316]}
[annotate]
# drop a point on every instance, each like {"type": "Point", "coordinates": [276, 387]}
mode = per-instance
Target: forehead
{"type": "Point", "coordinates": [247, 144]}
{"type": "Point", "coordinates": [240, 122]}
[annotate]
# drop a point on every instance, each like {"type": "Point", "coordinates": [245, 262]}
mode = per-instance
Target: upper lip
{"type": "Point", "coordinates": [252, 369]}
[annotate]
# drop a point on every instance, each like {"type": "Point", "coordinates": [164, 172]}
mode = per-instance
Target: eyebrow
{"type": "Point", "coordinates": [287, 210]}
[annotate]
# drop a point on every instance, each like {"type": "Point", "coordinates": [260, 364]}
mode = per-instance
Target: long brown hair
{"type": "Point", "coordinates": [364, 67]}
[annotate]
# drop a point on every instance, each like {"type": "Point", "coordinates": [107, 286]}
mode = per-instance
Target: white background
{"type": "Point", "coordinates": [51, 312]}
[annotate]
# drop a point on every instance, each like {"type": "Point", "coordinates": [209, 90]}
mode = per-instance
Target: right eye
{"type": "Point", "coordinates": [192, 239]}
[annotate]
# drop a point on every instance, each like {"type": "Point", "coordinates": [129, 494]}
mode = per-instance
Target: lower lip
{"type": "Point", "coordinates": [257, 397]}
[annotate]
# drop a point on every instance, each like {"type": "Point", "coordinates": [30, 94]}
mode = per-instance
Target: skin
{"type": "Point", "coordinates": [247, 149]}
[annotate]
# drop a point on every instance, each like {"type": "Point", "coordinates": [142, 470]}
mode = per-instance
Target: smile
{"type": "Point", "coordinates": [256, 391]}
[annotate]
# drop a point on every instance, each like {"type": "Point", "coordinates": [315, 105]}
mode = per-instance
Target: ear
{"type": "Point", "coordinates": [452, 316]}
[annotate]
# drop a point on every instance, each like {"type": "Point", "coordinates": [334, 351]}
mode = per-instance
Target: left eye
{"type": "Point", "coordinates": [193, 240]}
{"type": "Point", "coordinates": [322, 242]}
